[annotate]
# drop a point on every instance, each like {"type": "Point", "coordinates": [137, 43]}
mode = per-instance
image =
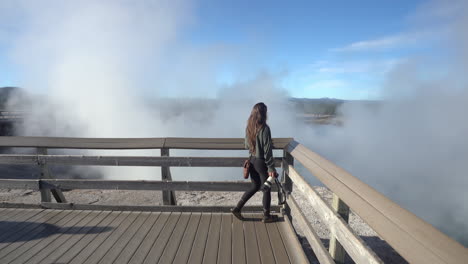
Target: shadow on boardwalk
{"type": "Point", "coordinates": [12, 231]}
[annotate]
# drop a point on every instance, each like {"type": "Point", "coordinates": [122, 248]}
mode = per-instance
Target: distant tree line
{"type": "Point", "coordinates": [322, 106]}
{"type": "Point", "coordinates": [8, 93]}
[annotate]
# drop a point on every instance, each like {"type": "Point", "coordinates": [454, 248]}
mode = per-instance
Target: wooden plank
{"type": "Point", "coordinates": [238, 241]}
{"type": "Point", "coordinates": [82, 143]}
{"type": "Point", "coordinates": [10, 159]}
{"type": "Point", "coordinates": [336, 250]}
{"type": "Point", "coordinates": [21, 214]}
{"type": "Point", "coordinates": [19, 205]}
{"type": "Point", "coordinates": [199, 244]}
{"type": "Point", "coordinates": [210, 143]}
{"type": "Point", "coordinates": [111, 246]}
{"type": "Point", "coordinates": [19, 184]}
{"type": "Point", "coordinates": [252, 251]}
{"type": "Point", "coordinates": [14, 230]}
{"type": "Point", "coordinates": [31, 248]}
{"type": "Point", "coordinates": [140, 235]}
{"type": "Point", "coordinates": [168, 196]}
{"type": "Point", "coordinates": [171, 140]}
{"type": "Point", "coordinates": [152, 161]}
{"type": "Point", "coordinates": [45, 174]}
{"type": "Point", "coordinates": [173, 244]}
{"type": "Point", "coordinates": [2, 211]}
{"type": "Point", "coordinates": [264, 246]}
{"type": "Point", "coordinates": [15, 222]}
{"type": "Point", "coordinates": [102, 242]}
{"type": "Point", "coordinates": [226, 186]}
{"type": "Point", "coordinates": [185, 247]}
{"type": "Point", "coordinates": [131, 143]}
{"type": "Point", "coordinates": [66, 240]}
{"type": "Point", "coordinates": [279, 250]}
{"type": "Point", "coordinates": [160, 244]}
{"type": "Point", "coordinates": [212, 242]}
{"type": "Point", "coordinates": [42, 228]}
{"type": "Point", "coordinates": [287, 161]}
{"type": "Point", "coordinates": [9, 213]}
{"type": "Point", "coordinates": [352, 243]}
{"type": "Point", "coordinates": [225, 240]}
{"type": "Point", "coordinates": [111, 220]}
{"type": "Point", "coordinates": [414, 239]}
{"type": "Point", "coordinates": [125, 239]}
{"type": "Point", "coordinates": [145, 247]}
{"type": "Point", "coordinates": [158, 208]}
{"type": "Point", "coordinates": [161, 208]}
{"type": "Point", "coordinates": [293, 247]}
{"type": "Point", "coordinates": [13, 235]}
{"type": "Point", "coordinates": [314, 240]}
{"type": "Point", "coordinates": [9, 219]}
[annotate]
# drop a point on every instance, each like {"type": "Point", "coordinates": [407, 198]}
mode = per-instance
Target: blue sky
{"type": "Point", "coordinates": [341, 49]}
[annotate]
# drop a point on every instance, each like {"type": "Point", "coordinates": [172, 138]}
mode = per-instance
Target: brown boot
{"type": "Point", "coordinates": [237, 213]}
{"type": "Point", "coordinates": [267, 217]}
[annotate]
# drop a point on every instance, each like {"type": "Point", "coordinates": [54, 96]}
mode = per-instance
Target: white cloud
{"type": "Point", "coordinates": [358, 66]}
{"type": "Point", "coordinates": [386, 42]}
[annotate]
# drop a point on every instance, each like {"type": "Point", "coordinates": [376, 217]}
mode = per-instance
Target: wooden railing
{"type": "Point", "coordinates": [414, 239]}
{"type": "Point", "coordinates": [47, 185]}
{"type": "Point", "coordinates": [7, 115]}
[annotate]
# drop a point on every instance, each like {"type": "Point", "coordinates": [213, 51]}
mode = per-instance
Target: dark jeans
{"type": "Point", "coordinates": [258, 176]}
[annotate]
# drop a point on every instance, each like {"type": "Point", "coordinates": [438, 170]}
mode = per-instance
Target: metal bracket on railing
{"type": "Point", "coordinates": [45, 174]}
{"type": "Point", "coordinates": [169, 197]}
{"type": "Point", "coordinates": [41, 161]}
{"type": "Point", "coordinates": [286, 181]}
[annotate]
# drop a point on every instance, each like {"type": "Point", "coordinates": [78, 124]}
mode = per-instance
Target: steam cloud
{"type": "Point", "coordinates": [414, 148]}
{"type": "Point", "coordinates": [103, 64]}
{"type": "Point", "coordinates": [97, 59]}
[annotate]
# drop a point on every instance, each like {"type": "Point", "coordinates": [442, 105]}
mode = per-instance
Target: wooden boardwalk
{"type": "Point", "coordinates": [91, 236]}
{"type": "Point", "coordinates": [66, 232]}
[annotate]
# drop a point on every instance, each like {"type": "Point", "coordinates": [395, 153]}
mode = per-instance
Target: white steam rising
{"type": "Point", "coordinates": [414, 148]}
{"type": "Point", "coordinates": [103, 64]}
{"type": "Point", "coordinates": [96, 60]}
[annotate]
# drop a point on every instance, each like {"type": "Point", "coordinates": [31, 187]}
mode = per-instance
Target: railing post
{"type": "Point", "coordinates": [286, 180]}
{"type": "Point", "coordinates": [45, 174]}
{"type": "Point", "coordinates": [168, 196]}
{"type": "Point", "coordinates": [287, 160]}
{"type": "Point", "coordinates": [336, 250]}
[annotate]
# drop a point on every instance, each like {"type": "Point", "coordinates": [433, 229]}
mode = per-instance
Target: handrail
{"type": "Point", "coordinates": [163, 161]}
{"type": "Point", "coordinates": [314, 240]}
{"type": "Point", "coordinates": [81, 184]}
{"type": "Point", "coordinates": [353, 244]}
{"type": "Point", "coordinates": [414, 239]}
{"type": "Point", "coordinates": [126, 160]}
{"type": "Point", "coordinates": [133, 143]}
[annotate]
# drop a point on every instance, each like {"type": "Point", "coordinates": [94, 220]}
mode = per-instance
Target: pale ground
{"type": "Point", "coordinates": [110, 197]}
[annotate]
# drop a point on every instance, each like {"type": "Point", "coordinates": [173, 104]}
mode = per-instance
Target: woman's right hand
{"type": "Point", "coordinates": [273, 174]}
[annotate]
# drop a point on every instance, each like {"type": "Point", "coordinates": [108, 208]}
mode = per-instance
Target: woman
{"type": "Point", "coordinates": [258, 142]}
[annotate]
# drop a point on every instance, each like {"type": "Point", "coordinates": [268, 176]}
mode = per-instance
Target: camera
{"type": "Point", "coordinates": [267, 185]}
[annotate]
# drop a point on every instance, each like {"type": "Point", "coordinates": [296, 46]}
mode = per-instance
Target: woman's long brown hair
{"type": "Point", "coordinates": [256, 121]}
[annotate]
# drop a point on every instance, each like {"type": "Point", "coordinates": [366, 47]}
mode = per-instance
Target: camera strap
{"type": "Point", "coordinates": [281, 192]}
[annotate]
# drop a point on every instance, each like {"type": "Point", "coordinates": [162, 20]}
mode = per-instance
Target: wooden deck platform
{"type": "Point", "coordinates": [88, 236]}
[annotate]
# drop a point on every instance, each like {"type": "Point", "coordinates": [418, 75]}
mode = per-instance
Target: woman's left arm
{"type": "Point", "coordinates": [268, 149]}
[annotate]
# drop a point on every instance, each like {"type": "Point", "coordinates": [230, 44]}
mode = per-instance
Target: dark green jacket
{"type": "Point", "coordinates": [263, 147]}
